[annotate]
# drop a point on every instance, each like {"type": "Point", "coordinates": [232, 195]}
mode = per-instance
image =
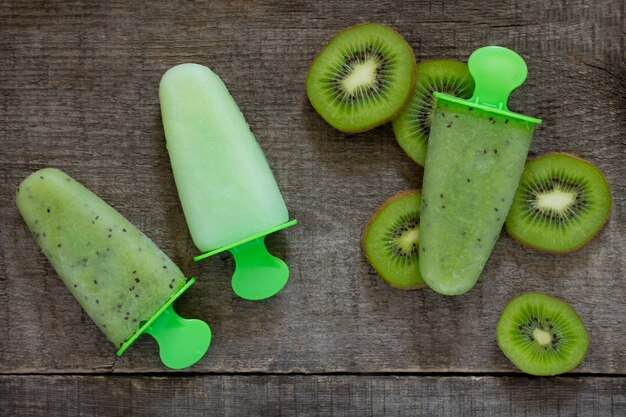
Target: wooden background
{"type": "Point", "coordinates": [78, 91]}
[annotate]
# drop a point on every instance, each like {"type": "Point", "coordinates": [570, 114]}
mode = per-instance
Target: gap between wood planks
{"type": "Point", "coordinates": [187, 374]}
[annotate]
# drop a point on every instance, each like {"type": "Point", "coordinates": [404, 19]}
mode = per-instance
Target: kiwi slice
{"type": "Point", "coordinates": [561, 203]}
{"type": "Point", "coordinates": [391, 240]}
{"type": "Point", "coordinates": [362, 78]}
{"type": "Point", "coordinates": [412, 126]}
{"type": "Point", "coordinates": [542, 335]}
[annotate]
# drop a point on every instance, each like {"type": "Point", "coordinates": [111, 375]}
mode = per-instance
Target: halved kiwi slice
{"type": "Point", "coordinates": [412, 126]}
{"type": "Point", "coordinates": [561, 203]}
{"type": "Point", "coordinates": [542, 335]}
{"type": "Point", "coordinates": [391, 240]}
{"type": "Point", "coordinates": [362, 78]}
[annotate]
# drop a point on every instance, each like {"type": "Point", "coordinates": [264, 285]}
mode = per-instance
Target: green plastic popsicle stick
{"type": "Point", "coordinates": [182, 342]}
{"type": "Point", "coordinates": [497, 71]}
{"type": "Point", "coordinates": [258, 274]}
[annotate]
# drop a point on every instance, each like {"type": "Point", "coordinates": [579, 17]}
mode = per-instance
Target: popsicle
{"type": "Point", "coordinates": [227, 190]}
{"type": "Point", "coordinates": [476, 154]}
{"type": "Point", "coordinates": [118, 275]}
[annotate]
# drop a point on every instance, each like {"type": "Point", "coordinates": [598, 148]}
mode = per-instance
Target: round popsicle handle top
{"type": "Point", "coordinates": [497, 71]}
{"type": "Point", "coordinates": [182, 342]}
{"type": "Point", "coordinates": [258, 274]}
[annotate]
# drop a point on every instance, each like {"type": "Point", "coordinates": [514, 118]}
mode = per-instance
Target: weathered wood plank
{"type": "Point", "coordinates": [78, 90]}
{"type": "Point", "coordinates": [308, 396]}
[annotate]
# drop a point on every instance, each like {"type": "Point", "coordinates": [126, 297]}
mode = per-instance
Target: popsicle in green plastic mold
{"type": "Point", "coordinates": [118, 275]}
{"type": "Point", "coordinates": [476, 154]}
{"type": "Point", "coordinates": [227, 190]}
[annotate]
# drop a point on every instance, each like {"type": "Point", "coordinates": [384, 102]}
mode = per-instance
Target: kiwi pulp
{"type": "Point", "coordinates": [391, 241]}
{"type": "Point", "coordinates": [412, 126]}
{"type": "Point", "coordinates": [542, 335]}
{"type": "Point", "coordinates": [561, 203]}
{"type": "Point", "coordinates": [362, 78]}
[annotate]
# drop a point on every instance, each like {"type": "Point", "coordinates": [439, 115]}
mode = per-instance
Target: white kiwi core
{"type": "Point", "coordinates": [362, 75]}
{"type": "Point", "coordinates": [557, 200]}
{"type": "Point", "coordinates": [542, 337]}
{"type": "Point", "coordinates": [407, 239]}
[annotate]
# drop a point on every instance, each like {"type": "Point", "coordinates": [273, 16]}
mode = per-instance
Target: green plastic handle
{"type": "Point", "coordinates": [497, 71]}
{"type": "Point", "coordinates": [258, 274]}
{"type": "Point", "coordinates": [182, 342]}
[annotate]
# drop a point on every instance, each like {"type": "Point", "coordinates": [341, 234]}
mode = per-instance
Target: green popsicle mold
{"type": "Point", "coordinates": [182, 342]}
{"type": "Point", "coordinates": [497, 71]}
{"type": "Point", "coordinates": [258, 274]}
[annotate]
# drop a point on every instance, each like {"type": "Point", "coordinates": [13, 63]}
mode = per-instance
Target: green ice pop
{"type": "Point", "coordinates": [226, 187]}
{"type": "Point", "coordinates": [476, 155]}
{"type": "Point", "coordinates": [117, 274]}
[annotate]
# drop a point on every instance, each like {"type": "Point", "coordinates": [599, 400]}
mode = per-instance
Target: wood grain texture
{"type": "Point", "coordinates": [78, 91]}
{"type": "Point", "coordinates": [309, 396]}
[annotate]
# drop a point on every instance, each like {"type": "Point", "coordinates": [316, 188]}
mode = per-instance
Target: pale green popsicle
{"type": "Point", "coordinates": [226, 187]}
{"type": "Point", "coordinates": [117, 274]}
{"type": "Point", "coordinates": [476, 154]}
{"type": "Point", "coordinates": [224, 182]}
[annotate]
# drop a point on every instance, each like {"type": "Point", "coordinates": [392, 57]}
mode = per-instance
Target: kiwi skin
{"type": "Point", "coordinates": [382, 207]}
{"type": "Point", "coordinates": [409, 94]}
{"type": "Point", "coordinates": [543, 250]}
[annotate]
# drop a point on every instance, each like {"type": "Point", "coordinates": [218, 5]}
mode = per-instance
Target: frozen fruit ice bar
{"type": "Point", "coordinates": [476, 154]}
{"type": "Point", "coordinates": [227, 190]}
{"type": "Point", "coordinates": [474, 162]}
{"type": "Point", "coordinates": [117, 274]}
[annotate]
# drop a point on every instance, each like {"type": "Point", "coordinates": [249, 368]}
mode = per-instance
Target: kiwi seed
{"type": "Point", "coordinates": [412, 126]}
{"type": "Point", "coordinates": [542, 335]}
{"type": "Point", "coordinates": [362, 78]}
{"type": "Point", "coordinates": [561, 203]}
{"type": "Point", "coordinates": [391, 241]}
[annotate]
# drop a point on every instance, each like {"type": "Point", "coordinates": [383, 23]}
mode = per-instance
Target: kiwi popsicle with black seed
{"type": "Point", "coordinates": [116, 273]}
{"type": "Point", "coordinates": [476, 155]}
